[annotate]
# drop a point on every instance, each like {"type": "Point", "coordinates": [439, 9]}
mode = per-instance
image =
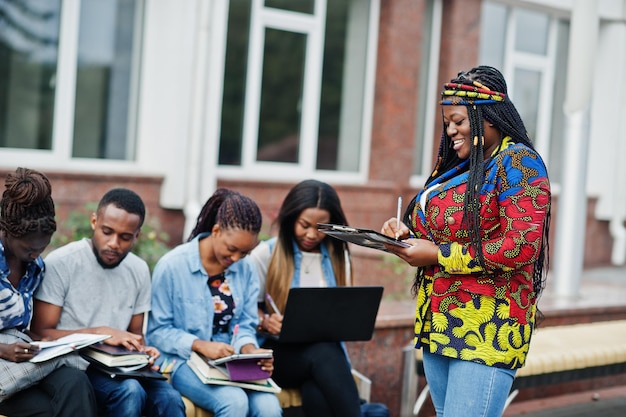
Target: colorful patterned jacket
{"type": "Point", "coordinates": [465, 311]}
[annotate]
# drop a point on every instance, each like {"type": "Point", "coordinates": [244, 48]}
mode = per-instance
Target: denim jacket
{"type": "Point", "coordinates": [182, 304]}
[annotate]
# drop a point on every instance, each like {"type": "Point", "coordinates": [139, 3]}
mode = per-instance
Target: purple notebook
{"type": "Point", "coordinates": [242, 367]}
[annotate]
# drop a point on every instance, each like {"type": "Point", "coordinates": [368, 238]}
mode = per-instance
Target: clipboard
{"type": "Point", "coordinates": [362, 237]}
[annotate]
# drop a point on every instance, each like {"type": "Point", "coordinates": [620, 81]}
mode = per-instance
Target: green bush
{"type": "Point", "coordinates": [150, 245]}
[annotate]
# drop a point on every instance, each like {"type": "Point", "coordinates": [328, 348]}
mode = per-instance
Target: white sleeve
{"type": "Point", "coordinates": [260, 256]}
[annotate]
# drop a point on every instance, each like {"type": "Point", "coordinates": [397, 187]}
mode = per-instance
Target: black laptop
{"type": "Point", "coordinates": [330, 314]}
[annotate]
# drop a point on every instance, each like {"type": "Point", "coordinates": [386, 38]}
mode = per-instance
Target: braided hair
{"type": "Point", "coordinates": [27, 205]}
{"type": "Point", "coordinates": [229, 210]}
{"type": "Point", "coordinates": [483, 91]}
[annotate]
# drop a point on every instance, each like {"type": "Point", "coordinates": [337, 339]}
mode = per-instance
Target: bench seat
{"type": "Point", "coordinates": [563, 353]}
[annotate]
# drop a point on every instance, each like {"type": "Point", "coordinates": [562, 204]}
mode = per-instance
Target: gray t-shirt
{"type": "Point", "coordinates": [91, 295]}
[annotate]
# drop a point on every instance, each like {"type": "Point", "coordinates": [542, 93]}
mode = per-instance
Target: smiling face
{"type": "Point", "coordinates": [229, 246]}
{"type": "Point", "coordinates": [308, 238]}
{"type": "Point", "coordinates": [457, 125]}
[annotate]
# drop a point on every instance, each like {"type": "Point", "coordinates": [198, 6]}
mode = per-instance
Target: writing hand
{"type": "Point", "coordinates": [212, 350]}
{"type": "Point", "coordinates": [273, 323]}
{"type": "Point", "coordinates": [390, 228]}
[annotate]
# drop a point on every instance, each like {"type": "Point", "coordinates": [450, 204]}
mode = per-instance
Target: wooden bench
{"type": "Point", "coordinates": [561, 354]}
{"type": "Point", "coordinates": [288, 398]}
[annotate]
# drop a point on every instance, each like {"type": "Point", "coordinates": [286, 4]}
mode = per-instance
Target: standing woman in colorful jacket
{"type": "Point", "coordinates": [479, 239]}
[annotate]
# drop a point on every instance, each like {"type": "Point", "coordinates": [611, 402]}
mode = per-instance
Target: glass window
{"type": "Point", "coordinates": [279, 119]}
{"type": "Point", "coordinates": [301, 6]}
{"type": "Point", "coordinates": [29, 36]}
{"type": "Point", "coordinates": [531, 31]}
{"type": "Point", "coordinates": [531, 47]}
{"type": "Point", "coordinates": [236, 62]}
{"type": "Point", "coordinates": [527, 87]}
{"type": "Point", "coordinates": [494, 17]}
{"type": "Point", "coordinates": [327, 52]}
{"type": "Point", "coordinates": [104, 79]}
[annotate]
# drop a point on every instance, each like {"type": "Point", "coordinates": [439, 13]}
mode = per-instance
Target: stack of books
{"type": "Point", "coordinates": [119, 362]}
{"type": "Point", "coordinates": [242, 371]}
{"type": "Point", "coordinates": [115, 355]}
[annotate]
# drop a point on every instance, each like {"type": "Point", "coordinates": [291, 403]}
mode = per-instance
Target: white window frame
{"type": "Point", "coordinates": [544, 64]}
{"type": "Point", "coordinates": [313, 25]}
{"type": "Point", "coordinates": [59, 157]}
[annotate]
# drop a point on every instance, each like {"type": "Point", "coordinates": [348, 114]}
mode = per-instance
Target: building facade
{"type": "Point", "coordinates": [180, 97]}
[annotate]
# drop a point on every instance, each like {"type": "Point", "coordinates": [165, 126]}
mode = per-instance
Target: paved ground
{"type": "Point", "coordinates": [609, 402]}
{"type": "Point", "coordinates": [599, 287]}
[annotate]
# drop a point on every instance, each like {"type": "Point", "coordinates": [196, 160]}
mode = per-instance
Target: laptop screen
{"type": "Point", "coordinates": [330, 314]}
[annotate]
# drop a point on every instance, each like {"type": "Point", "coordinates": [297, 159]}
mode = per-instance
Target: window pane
{"type": "Point", "coordinates": [29, 33]}
{"type": "Point", "coordinates": [103, 79]}
{"type": "Point", "coordinates": [302, 6]}
{"type": "Point", "coordinates": [281, 96]}
{"type": "Point", "coordinates": [234, 82]}
{"type": "Point", "coordinates": [343, 85]}
{"type": "Point", "coordinates": [332, 84]}
{"type": "Point", "coordinates": [526, 98]}
{"type": "Point", "coordinates": [493, 20]}
{"type": "Point", "coordinates": [531, 31]}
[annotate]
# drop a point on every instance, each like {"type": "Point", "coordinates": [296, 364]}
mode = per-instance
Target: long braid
{"type": "Point", "coordinates": [230, 210]}
{"type": "Point", "coordinates": [483, 91]}
{"type": "Point", "coordinates": [27, 205]}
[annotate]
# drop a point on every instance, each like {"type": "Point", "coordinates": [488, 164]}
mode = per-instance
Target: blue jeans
{"type": "Point", "coordinates": [224, 400]}
{"type": "Point", "coordinates": [475, 390]}
{"type": "Point", "coordinates": [129, 397]}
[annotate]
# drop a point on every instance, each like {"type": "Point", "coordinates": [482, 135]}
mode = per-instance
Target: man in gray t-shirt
{"type": "Point", "coordinates": [98, 286]}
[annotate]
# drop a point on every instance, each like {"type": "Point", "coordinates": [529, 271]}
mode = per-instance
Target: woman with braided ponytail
{"type": "Point", "coordinates": [204, 292]}
{"type": "Point", "coordinates": [479, 239]}
{"type": "Point", "coordinates": [54, 387]}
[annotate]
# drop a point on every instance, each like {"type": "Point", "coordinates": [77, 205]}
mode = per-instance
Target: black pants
{"type": "Point", "coordinates": [66, 392]}
{"type": "Point", "coordinates": [322, 373]}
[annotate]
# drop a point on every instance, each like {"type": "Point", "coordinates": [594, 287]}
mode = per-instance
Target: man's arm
{"type": "Point", "coordinates": [46, 318]}
{"type": "Point", "coordinates": [136, 324]}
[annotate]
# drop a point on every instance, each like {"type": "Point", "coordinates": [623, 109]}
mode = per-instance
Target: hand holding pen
{"type": "Point", "coordinates": [394, 227]}
{"type": "Point", "coordinates": [274, 322]}
{"type": "Point", "coordinates": [234, 338]}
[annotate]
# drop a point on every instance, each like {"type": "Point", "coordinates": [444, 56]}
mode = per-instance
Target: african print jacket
{"type": "Point", "coordinates": [465, 311]}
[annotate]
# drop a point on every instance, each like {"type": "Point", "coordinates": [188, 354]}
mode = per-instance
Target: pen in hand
{"type": "Point", "coordinates": [235, 330]}
{"type": "Point", "coordinates": [398, 217]}
{"type": "Point", "coordinates": [272, 303]}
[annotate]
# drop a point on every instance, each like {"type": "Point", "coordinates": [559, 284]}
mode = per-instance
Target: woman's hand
{"type": "Point", "coordinates": [272, 323]}
{"type": "Point", "coordinates": [421, 253]}
{"type": "Point", "coordinates": [18, 351]}
{"type": "Point", "coordinates": [266, 364]}
{"type": "Point", "coordinates": [212, 350]}
{"type": "Point", "coordinates": [390, 228]}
